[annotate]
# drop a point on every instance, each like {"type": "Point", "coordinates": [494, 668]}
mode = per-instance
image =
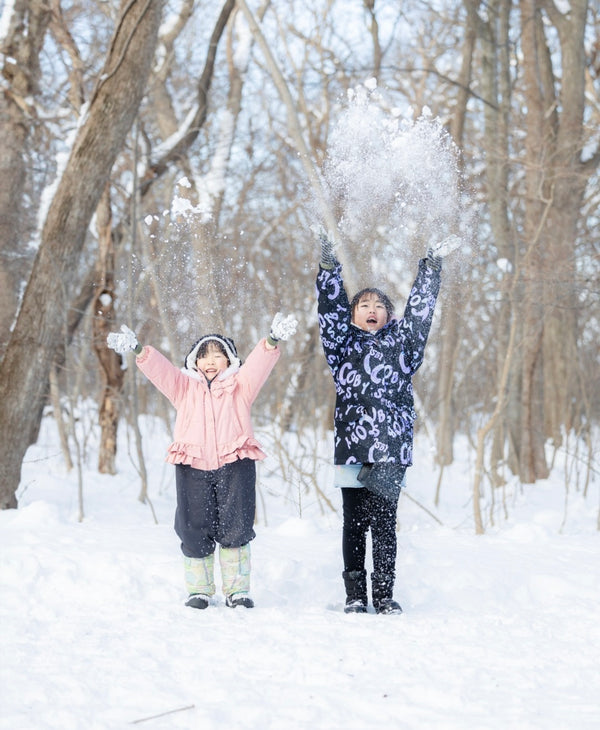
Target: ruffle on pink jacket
{"type": "Point", "coordinates": [213, 425]}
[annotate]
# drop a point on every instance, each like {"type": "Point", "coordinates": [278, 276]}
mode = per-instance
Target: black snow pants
{"type": "Point", "coordinates": [215, 506]}
{"type": "Point", "coordinates": [364, 510]}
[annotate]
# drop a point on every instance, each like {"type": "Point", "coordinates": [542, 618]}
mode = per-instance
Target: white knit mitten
{"type": "Point", "coordinates": [124, 341]}
{"type": "Point", "coordinates": [282, 327]}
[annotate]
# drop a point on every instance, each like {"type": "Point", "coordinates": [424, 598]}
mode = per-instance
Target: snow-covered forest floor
{"type": "Point", "coordinates": [498, 631]}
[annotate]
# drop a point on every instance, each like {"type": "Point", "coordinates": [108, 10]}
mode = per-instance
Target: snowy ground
{"type": "Point", "coordinates": [498, 631]}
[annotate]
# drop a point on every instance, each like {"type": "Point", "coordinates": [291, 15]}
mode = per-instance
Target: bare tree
{"type": "Point", "coordinates": [555, 181]}
{"type": "Point", "coordinates": [26, 22]}
{"type": "Point", "coordinates": [33, 343]}
{"type": "Point", "coordinates": [103, 320]}
{"type": "Point", "coordinates": [452, 315]}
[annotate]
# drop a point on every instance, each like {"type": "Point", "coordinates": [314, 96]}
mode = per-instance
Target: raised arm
{"type": "Point", "coordinates": [418, 313]}
{"type": "Point", "coordinates": [333, 305]}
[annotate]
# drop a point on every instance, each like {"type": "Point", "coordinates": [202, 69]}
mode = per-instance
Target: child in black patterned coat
{"type": "Point", "coordinates": [372, 357]}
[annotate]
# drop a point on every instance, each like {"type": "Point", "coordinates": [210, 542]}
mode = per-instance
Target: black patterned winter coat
{"type": "Point", "coordinates": [374, 412]}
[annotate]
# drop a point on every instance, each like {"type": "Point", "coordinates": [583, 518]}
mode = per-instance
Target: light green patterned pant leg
{"type": "Point", "coordinates": [235, 569]}
{"type": "Point", "coordinates": [200, 574]}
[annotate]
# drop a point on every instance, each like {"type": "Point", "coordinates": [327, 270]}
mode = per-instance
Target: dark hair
{"type": "Point", "coordinates": [223, 344]}
{"type": "Point", "coordinates": [207, 345]}
{"type": "Point", "coordinates": [385, 300]}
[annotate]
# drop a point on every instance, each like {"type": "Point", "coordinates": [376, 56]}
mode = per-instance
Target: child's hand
{"type": "Point", "coordinates": [282, 328]}
{"type": "Point", "coordinates": [328, 260]}
{"type": "Point", "coordinates": [434, 262]}
{"type": "Point", "coordinates": [123, 341]}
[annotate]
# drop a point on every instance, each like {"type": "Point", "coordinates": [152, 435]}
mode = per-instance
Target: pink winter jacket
{"type": "Point", "coordinates": [213, 425]}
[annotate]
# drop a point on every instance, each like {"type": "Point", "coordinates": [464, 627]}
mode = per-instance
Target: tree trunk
{"type": "Point", "coordinates": [532, 463]}
{"type": "Point", "coordinates": [104, 321]}
{"type": "Point", "coordinates": [555, 185]}
{"type": "Point", "coordinates": [562, 387]}
{"type": "Point", "coordinates": [498, 88]}
{"type": "Point", "coordinates": [33, 344]}
{"type": "Point", "coordinates": [451, 314]}
{"type": "Point", "coordinates": [20, 49]}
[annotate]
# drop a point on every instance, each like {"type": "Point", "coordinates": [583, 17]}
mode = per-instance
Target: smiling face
{"type": "Point", "coordinates": [370, 313]}
{"type": "Point", "coordinates": [212, 361]}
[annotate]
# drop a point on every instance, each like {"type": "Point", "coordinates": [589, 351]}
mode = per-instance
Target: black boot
{"type": "Point", "coordinates": [382, 586]}
{"type": "Point", "coordinates": [356, 591]}
{"type": "Point", "coordinates": [198, 600]}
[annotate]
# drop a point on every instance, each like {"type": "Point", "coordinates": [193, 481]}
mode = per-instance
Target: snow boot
{"type": "Point", "coordinates": [199, 580]}
{"type": "Point", "coordinates": [235, 573]}
{"type": "Point", "coordinates": [382, 586]}
{"type": "Point", "coordinates": [239, 599]}
{"type": "Point", "coordinates": [198, 600]}
{"type": "Point", "coordinates": [355, 582]}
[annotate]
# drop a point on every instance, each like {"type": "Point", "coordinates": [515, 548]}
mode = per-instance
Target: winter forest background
{"type": "Point", "coordinates": [166, 165]}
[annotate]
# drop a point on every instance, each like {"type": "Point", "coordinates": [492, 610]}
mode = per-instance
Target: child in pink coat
{"type": "Point", "coordinates": [214, 452]}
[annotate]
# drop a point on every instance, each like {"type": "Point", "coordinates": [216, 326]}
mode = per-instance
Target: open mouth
{"type": "Point", "coordinates": [371, 320]}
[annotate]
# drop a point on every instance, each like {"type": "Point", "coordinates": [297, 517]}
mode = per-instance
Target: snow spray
{"type": "Point", "coordinates": [390, 177]}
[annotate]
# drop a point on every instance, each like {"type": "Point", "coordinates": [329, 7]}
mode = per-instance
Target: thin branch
{"type": "Point", "coordinates": [163, 714]}
{"type": "Point", "coordinates": [184, 141]}
{"type": "Point", "coordinates": [296, 132]}
{"type": "Point", "coordinates": [404, 493]}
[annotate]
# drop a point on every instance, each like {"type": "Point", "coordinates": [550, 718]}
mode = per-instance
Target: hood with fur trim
{"type": "Point", "coordinates": [230, 350]}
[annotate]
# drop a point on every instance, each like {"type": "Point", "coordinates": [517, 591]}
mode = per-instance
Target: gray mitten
{"type": "Point", "coordinates": [328, 260]}
{"type": "Point", "coordinates": [124, 341]}
{"type": "Point", "coordinates": [434, 262]}
{"type": "Point", "coordinates": [282, 328]}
